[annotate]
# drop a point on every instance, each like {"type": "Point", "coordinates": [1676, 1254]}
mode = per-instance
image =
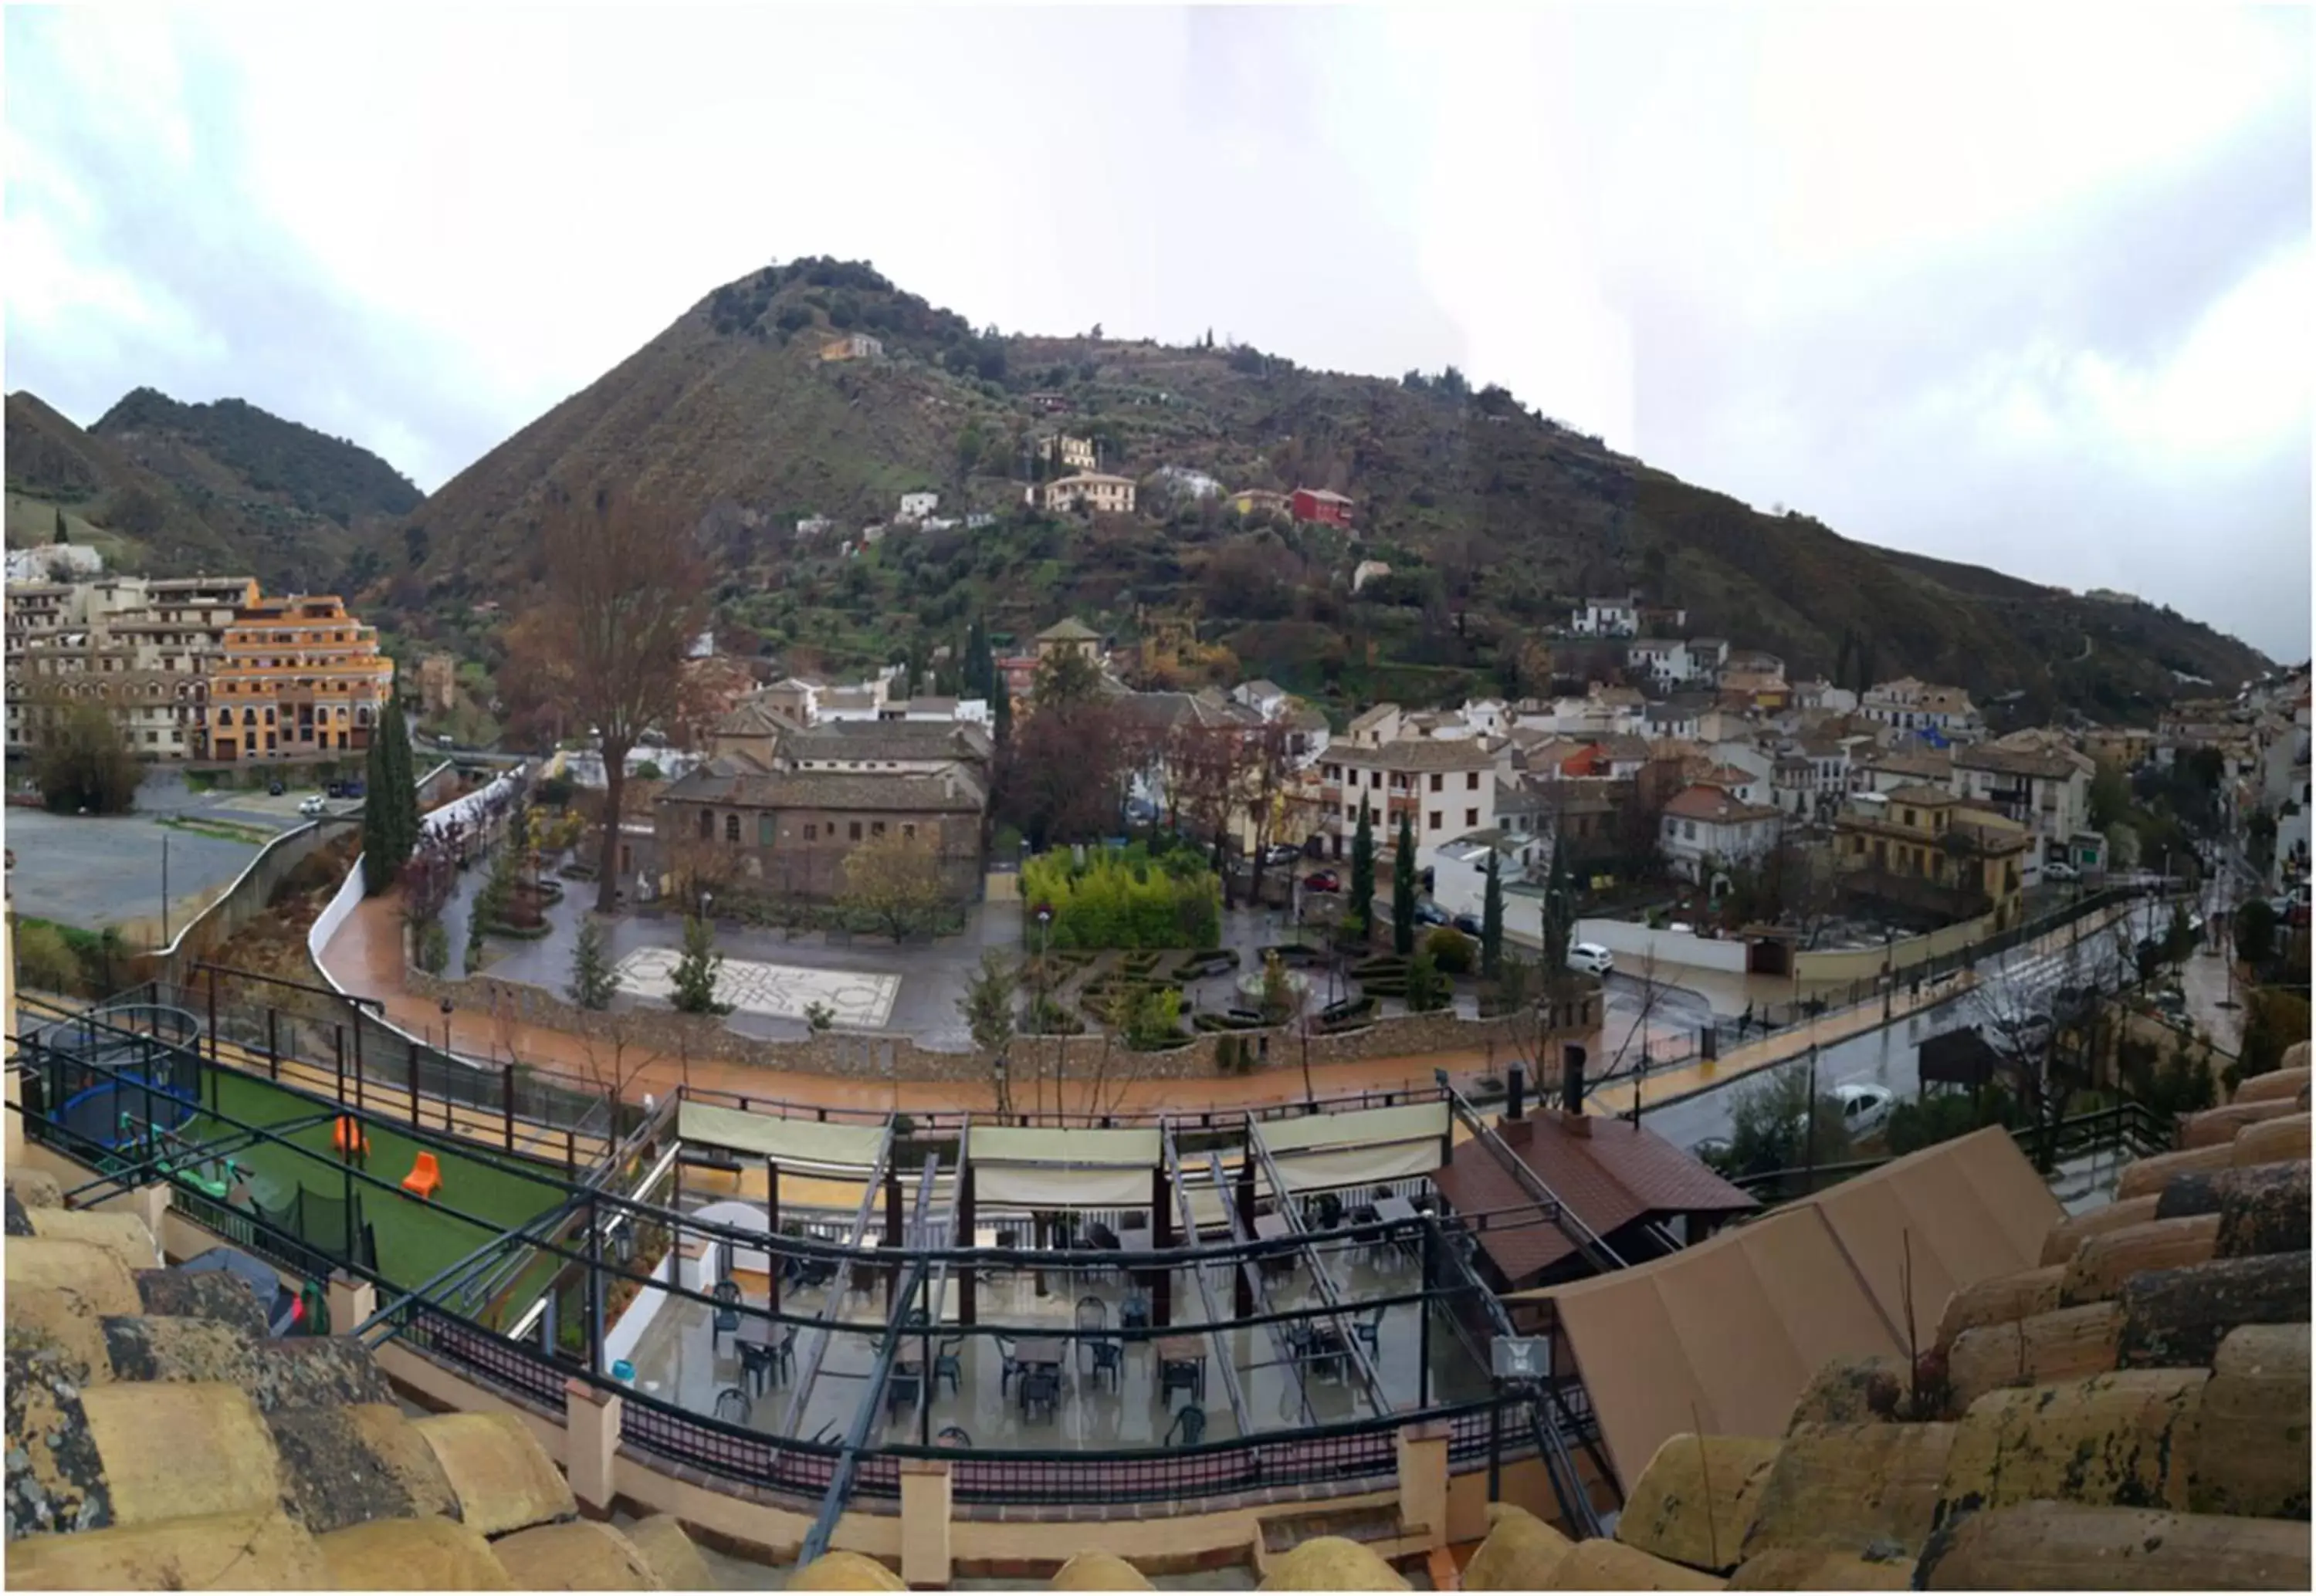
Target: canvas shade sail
{"type": "Point", "coordinates": [786, 1142]}
{"type": "Point", "coordinates": [1366, 1146]}
{"type": "Point", "coordinates": [1050, 1169]}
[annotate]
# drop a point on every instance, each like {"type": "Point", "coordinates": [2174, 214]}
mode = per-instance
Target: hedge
{"type": "Point", "coordinates": [1123, 899]}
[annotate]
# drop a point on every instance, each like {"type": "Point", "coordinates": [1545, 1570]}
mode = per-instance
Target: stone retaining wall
{"type": "Point", "coordinates": [876, 1054]}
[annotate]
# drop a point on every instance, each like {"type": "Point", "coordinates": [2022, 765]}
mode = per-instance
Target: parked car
{"type": "Point", "coordinates": [1427, 913]}
{"type": "Point", "coordinates": [1322, 881]}
{"type": "Point", "coordinates": [1469, 925]}
{"type": "Point", "coordinates": [1864, 1107]}
{"type": "Point", "coordinates": [1592, 957]}
{"type": "Point", "coordinates": [274, 789]}
{"type": "Point", "coordinates": [310, 804]}
{"type": "Point", "coordinates": [284, 1309]}
{"type": "Point", "coordinates": [2061, 872]}
{"type": "Point", "coordinates": [1281, 853]}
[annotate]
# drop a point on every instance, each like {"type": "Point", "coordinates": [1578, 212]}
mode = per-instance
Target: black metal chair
{"type": "Point", "coordinates": [901, 1391]}
{"type": "Point", "coordinates": [1189, 1424]}
{"type": "Point", "coordinates": [1010, 1367]}
{"type": "Point", "coordinates": [1092, 1314]}
{"type": "Point", "coordinates": [1133, 1314]}
{"type": "Point", "coordinates": [784, 1357]}
{"type": "Point", "coordinates": [1369, 1328]}
{"type": "Point", "coordinates": [1040, 1388]}
{"type": "Point", "coordinates": [732, 1405]}
{"type": "Point", "coordinates": [1111, 1356]}
{"type": "Point", "coordinates": [728, 1312]}
{"type": "Point", "coordinates": [953, 1435]}
{"type": "Point", "coordinates": [948, 1364]}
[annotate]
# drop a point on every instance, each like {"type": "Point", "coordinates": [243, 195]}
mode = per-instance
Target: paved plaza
{"type": "Point", "coordinates": [859, 1000]}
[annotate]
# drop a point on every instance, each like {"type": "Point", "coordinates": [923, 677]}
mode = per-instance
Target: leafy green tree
{"type": "Point", "coordinates": [987, 1007]}
{"type": "Point", "coordinates": [593, 984]}
{"type": "Point", "coordinates": [1491, 920]}
{"type": "Point", "coordinates": [2110, 797]}
{"type": "Point", "coordinates": [693, 980]}
{"type": "Point", "coordinates": [1404, 889]}
{"type": "Point", "coordinates": [2179, 938]}
{"type": "Point", "coordinates": [1427, 987]}
{"type": "Point", "coordinates": [1773, 1128]}
{"type": "Point", "coordinates": [1363, 864]}
{"type": "Point", "coordinates": [85, 765]}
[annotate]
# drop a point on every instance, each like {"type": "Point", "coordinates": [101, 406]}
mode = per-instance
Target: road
{"type": "Point", "coordinates": [2010, 983]}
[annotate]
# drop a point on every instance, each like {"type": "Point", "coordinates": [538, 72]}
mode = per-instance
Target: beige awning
{"type": "Point", "coordinates": [789, 1143]}
{"type": "Point", "coordinates": [1366, 1146]}
{"type": "Point", "coordinates": [1049, 1169]}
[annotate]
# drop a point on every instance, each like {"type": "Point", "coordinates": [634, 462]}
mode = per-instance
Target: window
{"type": "Point", "coordinates": [707, 824]}
{"type": "Point", "coordinates": [1436, 779]}
{"type": "Point", "coordinates": [909, 829]}
{"type": "Point", "coordinates": [855, 831]}
{"type": "Point", "coordinates": [764, 831]}
{"type": "Point", "coordinates": [1375, 778]}
{"type": "Point", "coordinates": [1472, 781]}
{"type": "Point", "coordinates": [731, 827]}
{"type": "Point", "coordinates": [812, 832]}
{"type": "Point", "coordinates": [1434, 826]}
{"type": "Point", "coordinates": [876, 828]}
{"type": "Point", "coordinates": [1471, 817]}
{"type": "Point", "coordinates": [1909, 817]}
{"type": "Point", "coordinates": [1689, 830]}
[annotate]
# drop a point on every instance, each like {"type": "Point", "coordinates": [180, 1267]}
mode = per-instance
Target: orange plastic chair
{"type": "Point", "coordinates": [425, 1177]}
{"type": "Point", "coordinates": [346, 1138]}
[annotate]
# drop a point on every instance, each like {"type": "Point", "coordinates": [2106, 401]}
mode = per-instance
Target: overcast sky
{"type": "Point", "coordinates": [2025, 287]}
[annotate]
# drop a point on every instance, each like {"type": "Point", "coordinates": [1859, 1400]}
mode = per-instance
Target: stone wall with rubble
{"type": "Point", "coordinates": [880, 1054]}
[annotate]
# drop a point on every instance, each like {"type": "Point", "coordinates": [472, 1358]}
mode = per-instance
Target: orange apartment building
{"type": "Point", "coordinates": [297, 678]}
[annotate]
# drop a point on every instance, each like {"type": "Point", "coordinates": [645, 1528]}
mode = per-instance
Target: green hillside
{"type": "Point", "coordinates": [1493, 518]}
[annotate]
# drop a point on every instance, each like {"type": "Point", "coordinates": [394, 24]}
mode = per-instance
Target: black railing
{"type": "Point", "coordinates": [2128, 1127]}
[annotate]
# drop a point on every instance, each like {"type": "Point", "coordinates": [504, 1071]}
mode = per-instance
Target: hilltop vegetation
{"type": "Point", "coordinates": [172, 489]}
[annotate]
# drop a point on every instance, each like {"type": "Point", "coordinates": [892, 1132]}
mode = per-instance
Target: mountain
{"type": "Point", "coordinates": [1492, 518]}
{"type": "Point", "coordinates": [172, 489]}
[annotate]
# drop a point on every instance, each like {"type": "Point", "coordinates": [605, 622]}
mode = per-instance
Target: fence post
{"type": "Point", "coordinates": [506, 1094]}
{"type": "Point", "coordinates": [411, 1049]}
{"type": "Point", "coordinates": [272, 1044]}
{"type": "Point", "coordinates": [213, 1030]}
{"type": "Point", "coordinates": [338, 1051]}
{"type": "Point", "coordinates": [358, 1060]}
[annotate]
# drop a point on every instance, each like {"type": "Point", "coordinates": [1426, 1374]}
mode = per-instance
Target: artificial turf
{"type": "Point", "coordinates": [417, 1239]}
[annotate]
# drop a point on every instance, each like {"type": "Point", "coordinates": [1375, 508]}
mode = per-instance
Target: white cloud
{"type": "Point", "coordinates": [1895, 266]}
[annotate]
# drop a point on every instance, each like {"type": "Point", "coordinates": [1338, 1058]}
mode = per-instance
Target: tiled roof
{"type": "Point", "coordinates": [724, 782]}
{"type": "Point", "coordinates": [1069, 628]}
{"type": "Point", "coordinates": [1615, 1174]}
{"type": "Point", "coordinates": [1427, 753]}
{"type": "Point", "coordinates": [1711, 805]}
{"type": "Point", "coordinates": [887, 740]}
{"type": "Point", "coordinates": [1929, 797]}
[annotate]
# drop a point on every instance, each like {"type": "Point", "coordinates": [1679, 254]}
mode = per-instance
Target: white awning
{"type": "Point", "coordinates": [1365, 1146]}
{"type": "Point", "coordinates": [1049, 1169]}
{"type": "Point", "coordinates": [789, 1143]}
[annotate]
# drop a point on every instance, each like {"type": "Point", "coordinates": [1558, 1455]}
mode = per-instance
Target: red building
{"type": "Point", "coordinates": [1317, 504]}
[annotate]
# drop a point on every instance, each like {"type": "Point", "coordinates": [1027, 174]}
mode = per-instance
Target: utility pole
{"type": "Point", "coordinates": [165, 889]}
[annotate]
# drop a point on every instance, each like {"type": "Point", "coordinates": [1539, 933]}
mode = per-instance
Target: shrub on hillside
{"type": "Point", "coordinates": [44, 959]}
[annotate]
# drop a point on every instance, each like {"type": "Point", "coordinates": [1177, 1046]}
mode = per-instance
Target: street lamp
{"type": "Point", "coordinates": [1045, 926]}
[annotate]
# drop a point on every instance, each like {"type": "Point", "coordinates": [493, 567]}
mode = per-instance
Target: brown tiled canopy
{"type": "Point", "coordinates": [1615, 1172]}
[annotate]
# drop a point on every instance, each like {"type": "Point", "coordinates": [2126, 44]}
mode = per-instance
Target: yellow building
{"type": "Point", "coordinates": [299, 679]}
{"type": "Point", "coordinates": [1923, 848]}
{"type": "Point", "coordinates": [1090, 489]}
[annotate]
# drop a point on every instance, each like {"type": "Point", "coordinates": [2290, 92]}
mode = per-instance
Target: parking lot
{"type": "Point", "coordinates": [95, 872]}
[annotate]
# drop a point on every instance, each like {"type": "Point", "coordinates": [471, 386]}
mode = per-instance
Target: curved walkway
{"type": "Point", "coordinates": [365, 958]}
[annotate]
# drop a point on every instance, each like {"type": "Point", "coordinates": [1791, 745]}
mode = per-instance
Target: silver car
{"type": "Point", "coordinates": [1592, 957]}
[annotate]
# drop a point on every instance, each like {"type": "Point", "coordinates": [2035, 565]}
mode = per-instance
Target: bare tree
{"type": "Point", "coordinates": [618, 1050]}
{"type": "Point", "coordinates": [1277, 801]}
{"type": "Point", "coordinates": [626, 594]}
{"type": "Point", "coordinates": [896, 880]}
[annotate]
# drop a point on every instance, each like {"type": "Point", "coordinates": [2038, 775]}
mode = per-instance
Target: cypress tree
{"type": "Point", "coordinates": [1402, 889]}
{"type": "Point", "coordinates": [1491, 921]}
{"type": "Point", "coordinates": [380, 820]}
{"type": "Point", "coordinates": [1363, 869]}
{"type": "Point", "coordinates": [60, 537]}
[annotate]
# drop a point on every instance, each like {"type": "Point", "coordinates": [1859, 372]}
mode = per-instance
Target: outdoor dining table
{"type": "Point", "coordinates": [1393, 1213]}
{"type": "Point", "coordinates": [1176, 1350]}
{"type": "Point", "coordinates": [1038, 1351]}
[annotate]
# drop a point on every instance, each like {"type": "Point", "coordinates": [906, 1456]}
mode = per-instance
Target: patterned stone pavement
{"type": "Point", "coordinates": [858, 998]}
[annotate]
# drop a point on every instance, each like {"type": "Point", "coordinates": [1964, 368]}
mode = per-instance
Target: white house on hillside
{"type": "Point", "coordinates": [1606, 617]}
{"type": "Point", "coordinates": [1705, 829]}
{"type": "Point", "coordinates": [916, 507]}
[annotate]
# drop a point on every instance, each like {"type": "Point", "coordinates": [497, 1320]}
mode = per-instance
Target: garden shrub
{"type": "Point", "coordinates": [1451, 950]}
{"type": "Point", "coordinates": [1124, 897]}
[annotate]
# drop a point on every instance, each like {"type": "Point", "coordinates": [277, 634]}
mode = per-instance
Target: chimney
{"type": "Point", "coordinates": [1572, 1080]}
{"type": "Point", "coordinates": [1516, 1092]}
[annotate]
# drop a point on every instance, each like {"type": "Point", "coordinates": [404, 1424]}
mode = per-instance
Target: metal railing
{"type": "Point", "coordinates": [2128, 1127]}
